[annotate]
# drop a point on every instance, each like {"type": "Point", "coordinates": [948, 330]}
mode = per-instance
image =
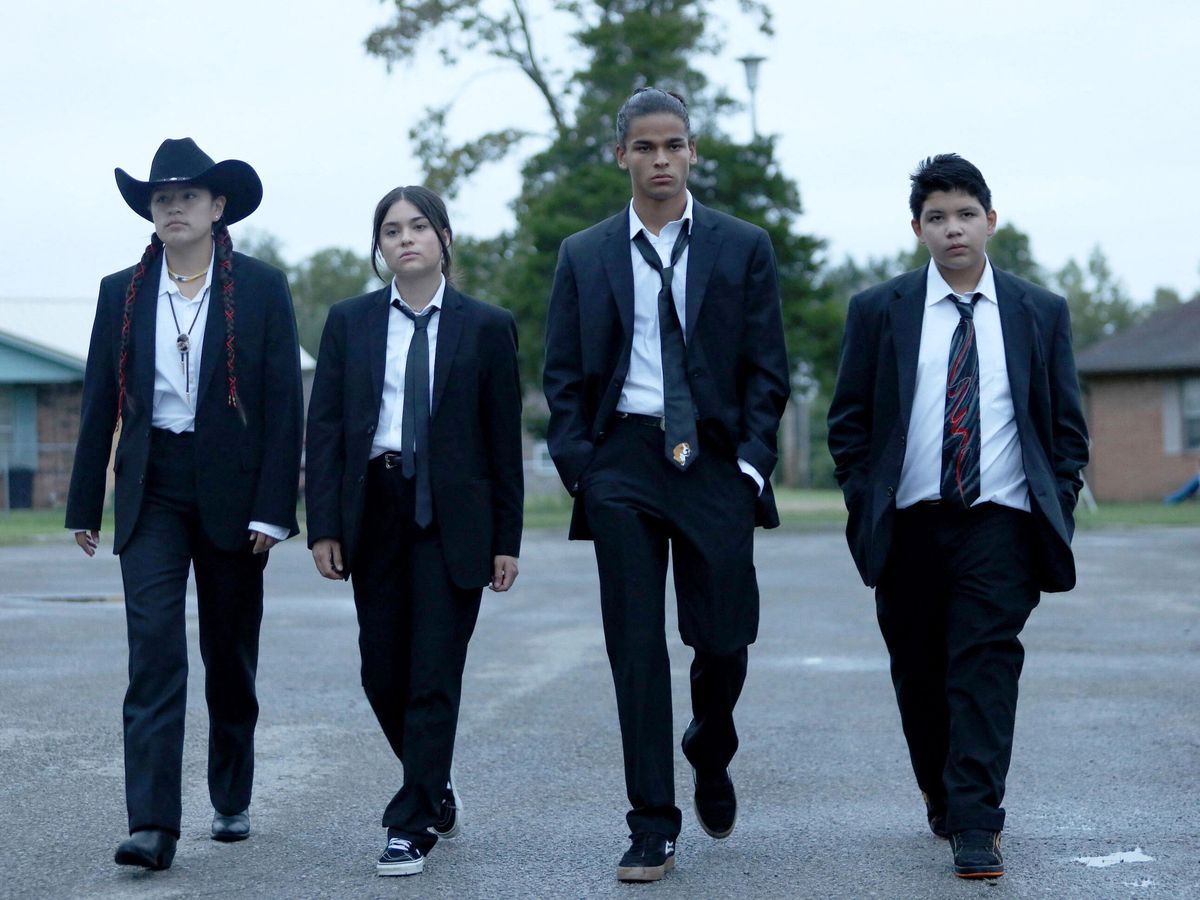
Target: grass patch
{"type": "Point", "coordinates": [798, 510]}
{"type": "Point", "coordinates": [1126, 515]}
{"type": "Point", "coordinates": [26, 526]}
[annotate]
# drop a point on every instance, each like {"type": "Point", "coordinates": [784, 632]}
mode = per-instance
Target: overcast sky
{"type": "Point", "coordinates": [1082, 115]}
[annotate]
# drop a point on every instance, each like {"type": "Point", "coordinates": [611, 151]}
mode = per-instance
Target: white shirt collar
{"type": "Point", "coordinates": [434, 303]}
{"type": "Point", "coordinates": [166, 285]}
{"type": "Point", "coordinates": [936, 287]}
{"type": "Point", "coordinates": [636, 226]}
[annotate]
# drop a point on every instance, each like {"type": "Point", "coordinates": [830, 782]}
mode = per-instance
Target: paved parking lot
{"type": "Point", "coordinates": [1106, 766]}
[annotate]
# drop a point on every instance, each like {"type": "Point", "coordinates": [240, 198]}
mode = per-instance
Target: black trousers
{"type": "Point", "coordinates": [957, 589]}
{"type": "Point", "coordinates": [639, 508]}
{"type": "Point", "coordinates": [414, 626]}
{"type": "Point", "coordinates": [167, 540]}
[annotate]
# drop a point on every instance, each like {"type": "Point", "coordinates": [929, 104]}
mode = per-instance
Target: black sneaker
{"type": "Point", "coordinates": [449, 822]}
{"type": "Point", "coordinates": [977, 854]}
{"type": "Point", "coordinates": [649, 857]}
{"type": "Point", "coordinates": [935, 812]}
{"type": "Point", "coordinates": [715, 802]}
{"type": "Point", "coordinates": [400, 858]}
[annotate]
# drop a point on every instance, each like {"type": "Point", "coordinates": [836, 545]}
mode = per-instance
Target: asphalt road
{"type": "Point", "coordinates": [1107, 758]}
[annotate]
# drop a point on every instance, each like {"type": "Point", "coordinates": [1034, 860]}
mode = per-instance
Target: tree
{"type": "Point", "coordinates": [573, 181]}
{"type": "Point", "coordinates": [1099, 305]}
{"type": "Point", "coordinates": [1009, 250]}
{"type": "Point", "coordinates": [320, 281]}
{"type": "Point", "coordinates": [317, 282]}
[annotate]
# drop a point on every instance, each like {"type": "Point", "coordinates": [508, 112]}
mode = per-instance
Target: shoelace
{"type": "Point", "coordinates": [399, 844]}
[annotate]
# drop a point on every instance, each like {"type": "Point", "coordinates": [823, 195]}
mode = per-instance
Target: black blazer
{"type": "Point", "coordinates": [245, 472]}
{"type": "Point", "coordinates": [475, 430]}
{"type": "Point", "coordinates": [872, 404]}
{"type": "Point", "coordinates": [736, 358]}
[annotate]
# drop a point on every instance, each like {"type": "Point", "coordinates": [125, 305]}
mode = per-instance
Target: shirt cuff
{"type": "Point", "coordinates": [271, 531]}
{"type": "Point", "coordinates": [748, 469]}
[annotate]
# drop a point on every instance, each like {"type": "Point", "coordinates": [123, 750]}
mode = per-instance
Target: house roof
{"type": "Point", "coordinates": [60, 328]}
{"type": "Point", "coordinates": [1168, 341]}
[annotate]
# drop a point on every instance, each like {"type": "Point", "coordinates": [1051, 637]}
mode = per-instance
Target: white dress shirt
{"type": "Point", "coordinates": [399, 337]}
{"type": "Point", "coordinates": [1002, 473]}
{"type": "Point", "coordinates": [642, 392]}
{"type": "Point", "coordinates": [174, 390]}
{"type": "Point", "coordinates": [643, 389]}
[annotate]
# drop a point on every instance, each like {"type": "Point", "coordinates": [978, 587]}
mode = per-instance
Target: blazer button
{"type": "Point", "coordinates": [890, 491]}
{"type": "Point", "coordinates": [361, 479]}
{"type": "Point", "coordinates": [903, 439]}
{"type": "Point", "coordinates": [697, 373]}
{"type": "Point", "coordinates": [370, 429]}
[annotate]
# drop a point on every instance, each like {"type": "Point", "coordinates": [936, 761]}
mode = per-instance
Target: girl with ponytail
{"type": "Point", "coordinates": [194, 363]}
{"type": "Point", "coordinates": [413, 492]}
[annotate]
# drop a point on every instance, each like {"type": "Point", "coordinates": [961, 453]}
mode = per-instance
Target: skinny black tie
{"type": "Point", "coordinates": [414, 433]}
{"type": "Point", "coordinates": [679, 412]}
{"type": "Point", "coordinates": [960, 433]}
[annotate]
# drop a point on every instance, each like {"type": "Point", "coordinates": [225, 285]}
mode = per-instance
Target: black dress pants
{"type": "Point", "coordinates": [167, 540]}
{"type": "Point", "coordinates": [957, 589]}
{"type": "Point", "coordinates": [639, 508]}
{"type": "Point", "coordinates": [414, 626]}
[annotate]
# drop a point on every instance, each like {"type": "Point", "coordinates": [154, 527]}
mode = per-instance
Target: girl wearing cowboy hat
{"type": "Point", "coordinates": [414, 491]}
{"type": "Point", "coordinates": [194, 359]}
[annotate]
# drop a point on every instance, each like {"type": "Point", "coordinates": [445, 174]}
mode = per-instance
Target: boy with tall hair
{"type": "Point", "coordinates": [666, 376]}
{"type": "Point", "coordinates": [958, 437]}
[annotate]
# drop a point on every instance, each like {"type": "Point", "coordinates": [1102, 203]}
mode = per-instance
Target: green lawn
{"type": "Point", "coordinates": [798, 510]}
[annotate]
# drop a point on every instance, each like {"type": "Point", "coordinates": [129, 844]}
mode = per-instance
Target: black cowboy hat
{"type": "Point", "coordinates": [182, 160]}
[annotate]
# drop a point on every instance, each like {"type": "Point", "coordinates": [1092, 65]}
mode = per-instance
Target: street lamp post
{"type": "Point", "coordinates": [751, 63]}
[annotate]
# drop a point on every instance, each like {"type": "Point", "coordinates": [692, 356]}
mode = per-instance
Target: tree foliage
{"type": "Point", "coordinates": [572, 181]}
{"type": "Point", "coordinates": [1099, 304]}
{"type": "Point", "coordinates": [317, 282]}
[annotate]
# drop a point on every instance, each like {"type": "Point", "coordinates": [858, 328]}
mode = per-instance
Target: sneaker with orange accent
{"type": "Point", "coordinates": [977, 853]}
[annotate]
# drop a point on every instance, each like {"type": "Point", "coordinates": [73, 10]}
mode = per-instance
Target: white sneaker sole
{"type": "Point", "coordinates": [456, 830]}
{"type": "Point", "coordinates": [406, 868]}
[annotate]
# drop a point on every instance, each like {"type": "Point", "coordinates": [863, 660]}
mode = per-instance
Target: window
{"type": "Point", "coordinates": [1191, 413]}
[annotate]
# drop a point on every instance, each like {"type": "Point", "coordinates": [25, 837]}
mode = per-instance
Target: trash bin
{"type": "Point", "coordinates": [20, 488]}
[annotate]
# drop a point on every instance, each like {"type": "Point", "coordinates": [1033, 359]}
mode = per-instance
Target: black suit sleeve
{"type": "Point", "coordinates": [764, 365]}
{"type": "Point", "coordinates": [1070, 450]}
{"type": "Point", "coordinates": [568, 436]}
{"type": "Point", "coordinates": [325, 447]}
{"type": "Point", "coordinates": [97, 422]}
{"type": "Point", "coordinates": [501, 408]}
{"type": "Point", "coordinates": [850, 418]}
{"type": "Point", "coordinates": [283, 422]}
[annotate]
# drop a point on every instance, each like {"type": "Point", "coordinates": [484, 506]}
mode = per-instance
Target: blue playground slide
{"type": "Point", "coordinates": [1188, 490]}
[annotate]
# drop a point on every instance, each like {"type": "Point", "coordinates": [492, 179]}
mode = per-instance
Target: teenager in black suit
{"type": "Point", "coordinates": [959, 438]}
{"type": "Point", "coordinates": [414, 492]}
{"type": "Point", "coordinates": [194, 358]}
{"type": "Point", "coordinates": [666, 376]}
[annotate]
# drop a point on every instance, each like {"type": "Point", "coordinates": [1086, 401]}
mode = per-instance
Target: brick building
{"type": "Point", "coordinates": [43, 352]}
{"type": "Point", "coordinates": [1142, 391]}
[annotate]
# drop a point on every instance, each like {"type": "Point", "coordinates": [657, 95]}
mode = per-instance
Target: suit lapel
{"type": "Point", "coordinates": [908, 315]}
{"type": "Point", "coordinates": [449, 331]}
{"type": "Point", "coordinates": [376, 339]}
{"type": "Point", "coordinates": [212, 356]}
{"type": "Point", "coordinates": [1016, 323]}
{"type": "Point", "coordinates": [702, 254]}
{"type": "Point", "coordinates": [143, 339]}
{"type": "Point", "coordinates": [618, 265]}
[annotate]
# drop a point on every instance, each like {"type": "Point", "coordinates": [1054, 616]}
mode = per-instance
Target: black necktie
{"type": "Point", "coordinates": [960, 432]}
{"type": "Point", "coordinates": [679, 412]}
{"type": "Point", "coordinates": [414, 434]}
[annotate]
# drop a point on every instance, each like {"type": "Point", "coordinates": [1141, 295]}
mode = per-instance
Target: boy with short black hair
{"type": "Point", "coordinates": [958, 436]}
